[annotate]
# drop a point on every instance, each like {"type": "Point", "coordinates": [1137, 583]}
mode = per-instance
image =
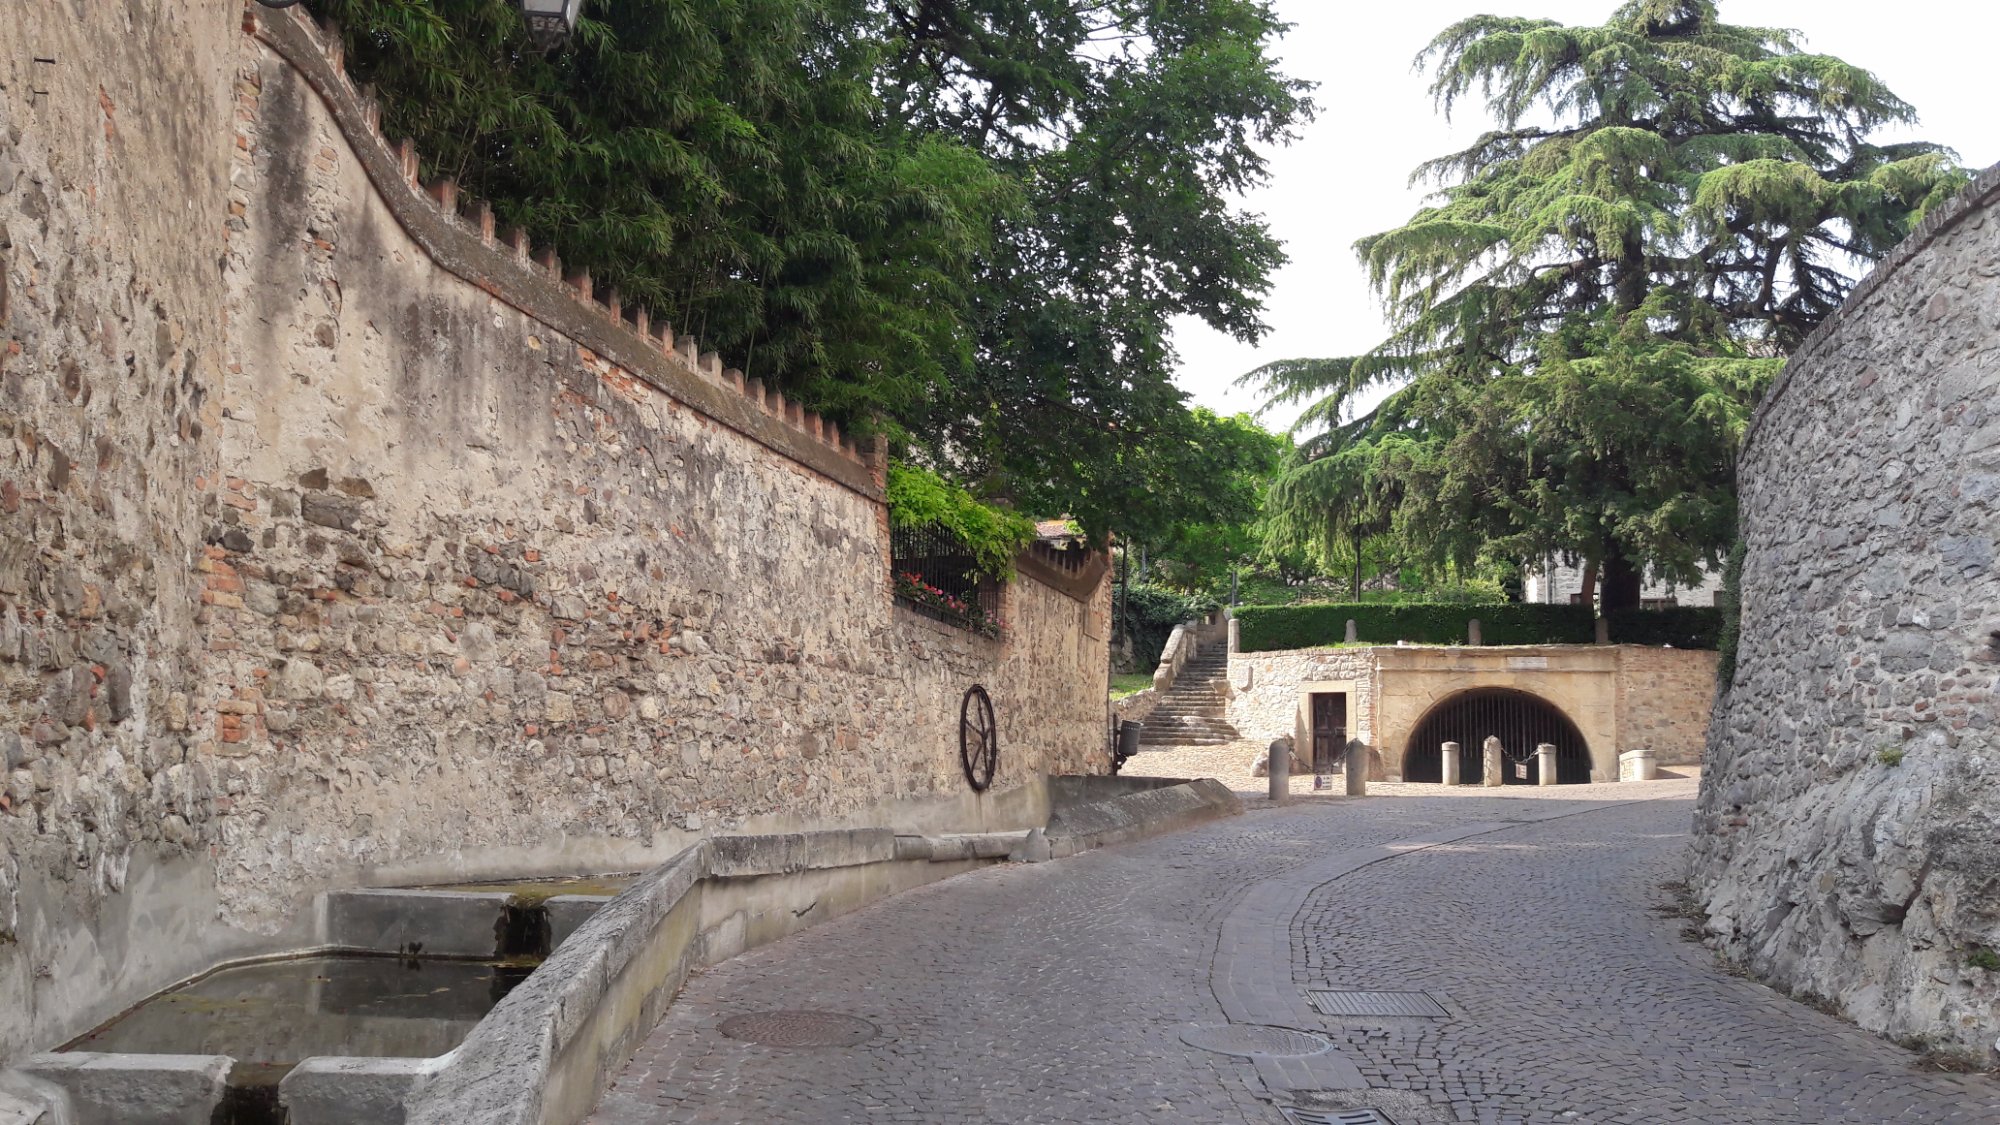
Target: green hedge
{"type": "Point", "coordinates": [1264, 628]}
{"type": "Point", "coordinates": [1267, 627]}
{"type": "Point", "coordinates": [1687, 626]}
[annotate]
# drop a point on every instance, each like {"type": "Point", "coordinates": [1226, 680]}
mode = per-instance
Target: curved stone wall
{"type": "Point", "coordinates": [1848, 833]}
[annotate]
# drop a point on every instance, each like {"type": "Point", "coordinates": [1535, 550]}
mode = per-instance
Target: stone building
{"type": "Point", "coordinates": [1594, 702]}
{"type": "Point", "coordinates": [345, 540]}
{"type": "Point", "coordinates": [1848, 835]}
{"type": "Point", "coordinates": [1555, 582]}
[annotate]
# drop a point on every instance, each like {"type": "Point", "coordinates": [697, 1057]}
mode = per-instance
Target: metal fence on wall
{"type": "Point", "coordinates": [937, 575]}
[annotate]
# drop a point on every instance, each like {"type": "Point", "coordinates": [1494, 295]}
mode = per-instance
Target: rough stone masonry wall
{"type": "Point", "coordinates": [460, 575]}
{"type": "Point", "coordinates": [114, 164]}
{"type": "Point", "coordinates": [1848, 833]}
{"type": "Point", "coordinates": [1664, 699]}
{"type": "Point", "coordinates": [1265, 687]}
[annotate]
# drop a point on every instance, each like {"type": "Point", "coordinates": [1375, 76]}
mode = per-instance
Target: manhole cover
{"type": "Point", "coordinates": [1341, 1002]}
{"type": "Point", "coordinates": [1246, 1040]}
{"type": "Point", "coordinates": [1336, 1116]}
{"type": "Point", "coordinates": [799, 1029]}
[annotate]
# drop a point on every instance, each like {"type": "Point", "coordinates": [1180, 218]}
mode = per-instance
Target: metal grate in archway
{"type": "Point", "coordinates": [1519, 720]}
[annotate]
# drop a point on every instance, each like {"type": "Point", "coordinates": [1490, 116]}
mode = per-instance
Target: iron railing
{"type": "Point", "coordinates": [937, 575]}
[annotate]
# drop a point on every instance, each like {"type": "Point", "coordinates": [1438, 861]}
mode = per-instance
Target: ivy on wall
{"type": "Point", "coordinates": [919, 497]}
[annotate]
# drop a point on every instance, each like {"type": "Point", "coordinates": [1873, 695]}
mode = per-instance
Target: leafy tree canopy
{"type": "Point", "coordinates": [967, 220]}
{"type": "Point", "coordinates": [1586, 311]}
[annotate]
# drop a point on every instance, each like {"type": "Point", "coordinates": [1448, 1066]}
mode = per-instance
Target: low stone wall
{"type": "Point", "coordinates": [1144, 812]}
{"type": "Point", "coordinates": [403, 556]}
{"type": "Point", "coordinates": [1848, 834]}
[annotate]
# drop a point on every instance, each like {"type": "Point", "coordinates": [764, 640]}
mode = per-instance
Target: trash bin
{"type": "Point", "coordinates": [1128, 738]}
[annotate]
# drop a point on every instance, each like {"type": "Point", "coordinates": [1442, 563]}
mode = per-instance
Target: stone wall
{"type": "Point", "coordinates": [1848, 833]}
{"type": "Point", "coordinates": [346, 542]}
{"type": "Point", "coordinates": [1664, 699]}
{"type": "Point", "coordinates": [114, 168]}
{"type": "Point", "coordinates": [1269, 692]}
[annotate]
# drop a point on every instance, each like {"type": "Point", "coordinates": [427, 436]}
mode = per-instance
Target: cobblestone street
{"type": "Point", "coordinates": [1061, 992]}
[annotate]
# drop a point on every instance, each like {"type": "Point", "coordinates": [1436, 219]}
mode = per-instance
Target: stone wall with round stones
{"type": "Point", "coordinates": [1848, 832]}
{"type": "Point", "coordinates": [347, 540]}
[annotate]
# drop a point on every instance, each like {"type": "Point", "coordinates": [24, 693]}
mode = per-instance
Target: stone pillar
{"type": "Point", "coordinates": [1603, 631]}
{"type": "Point", "coordinates": [1492, 762]}
{"type": "Point", "coordinates": [1278, 758]}
{"type": "Point", "coordinates": [1357, 768]}
{"type": "Point", "coordinates": [1353, 631]}
{"type": "Point", "coordinates": [1472, 633]}
{"type": "Point", "coordinates": [1235, 635]}
{"type": "Point", "coordinates": [1450, 764]}
{"type": "Point", "coordinates": [1545, 764]}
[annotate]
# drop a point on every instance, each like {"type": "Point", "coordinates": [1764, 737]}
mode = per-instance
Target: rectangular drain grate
{"type": "Point", "coordinates": [1340, 1002]}
{"type": "Point", "coordinates": [1336, 1116]}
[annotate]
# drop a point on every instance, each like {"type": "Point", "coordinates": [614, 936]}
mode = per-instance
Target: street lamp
{"type": "Point", "coordinates": [550, 21]}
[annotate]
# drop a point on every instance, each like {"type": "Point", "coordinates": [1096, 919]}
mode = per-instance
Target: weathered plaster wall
{"type": "Point", "coordinates": [115, 135]}
{"type": "Point", "coordinates": [1621, 697]}
{"type": "Point", "coordinates": [419, 567]}
{"type": "Point", "coordinates": [1848, 833]}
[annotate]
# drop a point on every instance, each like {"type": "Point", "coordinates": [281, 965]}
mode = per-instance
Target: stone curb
{"type": "Point", "coordinates": [1135, 816]}
{"type": "Point", "coordinates": [134, 1089]}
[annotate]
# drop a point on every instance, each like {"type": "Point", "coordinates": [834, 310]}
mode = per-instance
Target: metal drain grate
{"type": "Point", "coordinates": [1340, 1002]}
{"type": "Point", "coordinates": [1336, 1116]}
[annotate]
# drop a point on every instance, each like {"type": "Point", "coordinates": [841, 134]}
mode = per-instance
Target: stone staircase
{"type": "Point", "coordinates": [1190, 714]}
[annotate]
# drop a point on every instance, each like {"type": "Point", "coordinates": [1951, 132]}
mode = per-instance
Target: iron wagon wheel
{"type": "Point", "coordinates": [978, 738]}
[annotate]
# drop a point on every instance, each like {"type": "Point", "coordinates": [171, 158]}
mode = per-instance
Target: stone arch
{"type": "Point", "coordinates": [1520, 719]}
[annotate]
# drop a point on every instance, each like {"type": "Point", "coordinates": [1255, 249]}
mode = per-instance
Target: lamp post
{"type": "Point", "coordinates": [550, 22]}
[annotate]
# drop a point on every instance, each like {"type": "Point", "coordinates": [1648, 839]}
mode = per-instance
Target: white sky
{"type": "Point", "coordinates": [1346, 175]}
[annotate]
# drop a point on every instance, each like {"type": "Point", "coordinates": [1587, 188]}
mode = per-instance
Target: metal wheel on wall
{"type": "Point", "coordinates": [978, 738]}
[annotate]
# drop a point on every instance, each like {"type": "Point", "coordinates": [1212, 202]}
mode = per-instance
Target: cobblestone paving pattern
{"type": "Point", "coordinates": [1056, 992]}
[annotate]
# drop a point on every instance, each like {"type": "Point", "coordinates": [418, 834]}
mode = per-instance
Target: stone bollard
{"type": "Point", "coordinates": [1235, 635]}
{"type": "Point", "coordinates": [1357, 768]}
{"type": "Point", "coordinates": [1278, 759]}
{"type": "Point", "coordinates": [1449, 766]}
{"type": "Point", "coordinates": [1492, 763]}
{"type": "Point", "coordinates": [1472, 633]}
{"type": "Point", "coordinates": [1603, 631]}
{"type": "Point", "coordinates": [1637, 765]}
{"type": "Point", "coordinates": [1545, 759]}
{"type": "Point", "coordinates": [1353, 631]}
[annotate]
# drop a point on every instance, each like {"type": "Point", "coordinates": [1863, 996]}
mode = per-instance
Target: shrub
{"type": "Point", "coordinates": [1150, 616]}
{"type": "Point", "coordinates": [1265, 628]}
{"type": "Point", "coordinates": [1730, 604]}
{"type": "Point", "coordinates": [1687, 626]}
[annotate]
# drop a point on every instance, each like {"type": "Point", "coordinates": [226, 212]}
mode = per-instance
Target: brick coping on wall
{"type": "Point", "coordinates": [1983, 190]}
{"type": "Point", "coordinates": [533, 280]}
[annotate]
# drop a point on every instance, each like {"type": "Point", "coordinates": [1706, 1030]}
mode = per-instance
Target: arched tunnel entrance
{"type": "Point", "coordinates": [1519, 720]}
